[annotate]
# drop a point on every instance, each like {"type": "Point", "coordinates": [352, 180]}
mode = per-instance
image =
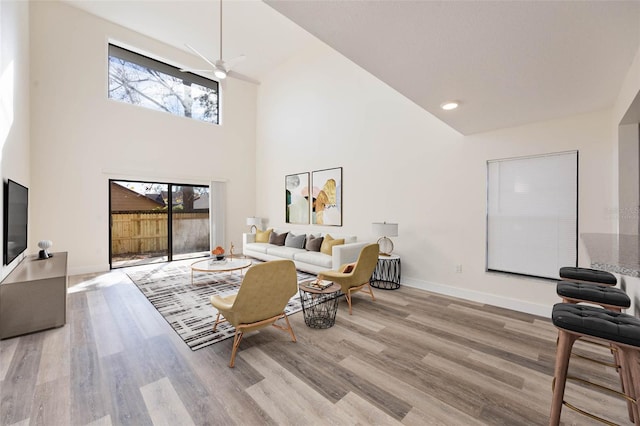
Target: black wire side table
{"type": "Point", "coordinates": [386, 276]}
{"type": "Point", "coordinates": [319, 307]}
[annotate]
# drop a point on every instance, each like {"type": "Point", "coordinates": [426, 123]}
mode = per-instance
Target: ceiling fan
{"type": "Point", "coordinates": [220, 68]}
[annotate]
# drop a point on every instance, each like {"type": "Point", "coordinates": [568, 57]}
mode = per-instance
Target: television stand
{"type": "Point", "coordinates": [33, 296]}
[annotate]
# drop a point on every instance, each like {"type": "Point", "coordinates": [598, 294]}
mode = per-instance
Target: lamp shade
{"type": "Point", "coordinates": [385, 229]}
{"type": "Point", "coordinates": [254, 221]}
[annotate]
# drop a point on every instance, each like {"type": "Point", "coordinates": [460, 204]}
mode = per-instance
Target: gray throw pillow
{"type": "Point", "coordinates": [295, 241]}
{"type": "Point", "coordinates": [277, 239]}
{"type": "Point", "coordinates": [314, 243]}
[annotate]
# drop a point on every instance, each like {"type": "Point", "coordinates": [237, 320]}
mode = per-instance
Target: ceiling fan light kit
{"type": "Point", "coordinates": [220, 68]}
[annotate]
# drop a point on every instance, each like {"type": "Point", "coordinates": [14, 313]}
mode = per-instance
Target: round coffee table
{"type": "Point", "coordinates": [212, 265]}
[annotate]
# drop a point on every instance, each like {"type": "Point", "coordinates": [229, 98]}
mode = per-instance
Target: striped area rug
{"type": "Point", "coordinates": [186, 307]}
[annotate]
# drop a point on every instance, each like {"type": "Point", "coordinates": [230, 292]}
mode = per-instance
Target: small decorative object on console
{"type": "Point", "coordinates": [218, 252]}
{"type": "Point", "coordinates": [44, 245]}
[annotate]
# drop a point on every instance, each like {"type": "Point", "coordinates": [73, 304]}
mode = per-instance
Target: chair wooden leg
{"type": "Point", "coordinates": [290, 329]}
{"type": "Point", "coordinates": [370, 291]}
{"type": "Point", "coordinates": [359, 288]}
{"type": "Point", "coordinates": [236, 342]}
{"type": "Point", "coordinates": [348, 296]}
{"type": "Point", "coordinates": [215, 325]}
{"type": "Point", "coordinates": [563, 353]}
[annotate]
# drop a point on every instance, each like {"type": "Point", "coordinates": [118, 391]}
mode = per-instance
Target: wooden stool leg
{"type": "Point", "coordinates": [563, 353]}
{"type": "Point", "coordinates": [624, 371]}
{"type": "Point", "coordinates": [631, 365]}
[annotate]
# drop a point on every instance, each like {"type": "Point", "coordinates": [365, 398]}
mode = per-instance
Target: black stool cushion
{"type": "Point", "coordinates": [611, 296]}
{"type": "Point", "coordinates": [585, 274]}
{"type": "Point", "coordinates": [597, 322]}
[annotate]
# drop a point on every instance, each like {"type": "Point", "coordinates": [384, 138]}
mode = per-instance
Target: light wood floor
{"type": "Point", "coordinates": [411, 357]}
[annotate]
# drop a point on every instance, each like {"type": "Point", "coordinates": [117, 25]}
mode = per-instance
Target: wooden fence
{"type": "Point", "coordinates": [146, 232]}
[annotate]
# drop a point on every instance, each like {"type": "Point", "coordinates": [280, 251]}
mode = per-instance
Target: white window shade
{"type": "Point", "coordinates": [532, 214]}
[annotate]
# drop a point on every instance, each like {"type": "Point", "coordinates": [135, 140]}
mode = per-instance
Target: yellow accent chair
{"type": "Point", "coordinates": [355, 277]}
{"type": "Point", "coordinates": [260, 302]}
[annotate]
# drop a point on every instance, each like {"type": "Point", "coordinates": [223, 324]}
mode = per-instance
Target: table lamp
{"type": "Point", "coordinates": [386, 230]}
{"type": "Point", "coordinates": [45, 245]}
{"type": "Point", "coordinates": [254, 222]}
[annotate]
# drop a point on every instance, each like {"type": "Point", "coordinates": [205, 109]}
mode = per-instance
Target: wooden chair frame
{"type": "Point", "coordinates": [359, 288]}
{"type": "Point", "coordinates": [629, 358]}
{"type": "Point", "coordinates": [240, 329]}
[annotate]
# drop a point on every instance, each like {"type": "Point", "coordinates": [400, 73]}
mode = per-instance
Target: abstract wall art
{"type": "Point", "coordinates": [326, 207]}
{"type": "Point", "coordinates": [297, 198]}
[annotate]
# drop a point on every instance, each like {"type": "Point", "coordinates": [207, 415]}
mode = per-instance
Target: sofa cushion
{"type": "Point", "coordinates": [277, 239]}
{"type": "Point", "coordinates": [328, 243]}
{"type": "Point", "coordinates": [257, 247]}
{"type": "Point", "coordinates": [283, 252]}
{"type": "Point", "coordinates": [263, 236]}
{"type": "Point", "coordinates": [314, 258]}
{"type": "Point", "coordinates": [314, 243]}
{"type": "Point", "coordinates": [348, 239]}
{"type": "Point", "coordinates": [295, 241]}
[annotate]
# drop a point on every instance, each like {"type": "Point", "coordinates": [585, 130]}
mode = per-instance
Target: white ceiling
{"type": "Point", "coordinates": [250, 28]}
{"type": "Point", "coordinates": [508, 62]}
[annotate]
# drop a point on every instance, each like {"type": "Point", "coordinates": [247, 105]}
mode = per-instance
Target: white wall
{"type": "Point", "coordinates": [628, 178]}
{"type": "Point", "coordinates": [403, 165]}
{"type": "Point", "coordinates": [80, 138]}
{"type": "Point", "coordinates": [14, 101]}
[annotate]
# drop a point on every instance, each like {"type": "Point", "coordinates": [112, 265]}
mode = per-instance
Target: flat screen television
{"type": "Point", "coordinates": [16, 211]}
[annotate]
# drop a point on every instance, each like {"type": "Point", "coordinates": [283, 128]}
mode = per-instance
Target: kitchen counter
{"type": "Point", "coordinates": [618, 254]}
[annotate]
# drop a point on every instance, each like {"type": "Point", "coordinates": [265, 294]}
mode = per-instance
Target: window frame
{"type": "Point", "coordinates": [113, 50]}
{"type": "Point", "coordinates": [574, 192]}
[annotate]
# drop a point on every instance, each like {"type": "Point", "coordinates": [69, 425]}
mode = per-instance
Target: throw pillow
{"type": "Point", "coordinates": [328, 243]}
{"type": "Point", "coordinates": [314, 243]}
{"type": "Point", "coordinates": [277, 239]}
{"type": "Point", "coordinates": [348, 268]}
{"type": "Point", "coordinates": [263, 236]}
{"type": "Point", "coordinates": [295, 241]}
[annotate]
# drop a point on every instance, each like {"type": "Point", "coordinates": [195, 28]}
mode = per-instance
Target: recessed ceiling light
{"type": "Point", "coordinates": [449, 105]}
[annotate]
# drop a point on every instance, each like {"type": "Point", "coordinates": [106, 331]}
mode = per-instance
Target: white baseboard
{"type": "Point", "coordinates": [88, 269]}
{"type": "Point", "coordinates": [480, 297]}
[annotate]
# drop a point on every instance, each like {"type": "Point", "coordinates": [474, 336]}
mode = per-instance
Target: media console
{"type": "Point", "coordinates": [33, 296]}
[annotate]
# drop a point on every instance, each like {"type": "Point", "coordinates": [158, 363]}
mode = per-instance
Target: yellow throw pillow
{"type": "Point", "coordinates": [263, 236]}
{"type": "Point", "coordinates": [328, 243]}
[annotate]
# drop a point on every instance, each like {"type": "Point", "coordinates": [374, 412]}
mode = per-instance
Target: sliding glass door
{"type": "Point", "coordinates": [157, 222]}
{"type": "Point", "coordinates": [190, 221]}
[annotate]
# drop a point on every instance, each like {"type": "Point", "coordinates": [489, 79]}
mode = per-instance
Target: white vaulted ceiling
{"type": "Point", "coordinates": [507, 62]}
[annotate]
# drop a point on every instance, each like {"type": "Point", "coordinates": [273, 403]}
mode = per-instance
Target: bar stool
{"type": "Point", "coordinates": [586, 275]}
{"type": "Point", "coordinates": [604, 295]}
{"type": "Point", "coordinates": [617, 329]}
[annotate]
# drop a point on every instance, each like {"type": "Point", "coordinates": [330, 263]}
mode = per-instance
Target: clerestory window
{"type": "Point", "coordinates": [140, 80]}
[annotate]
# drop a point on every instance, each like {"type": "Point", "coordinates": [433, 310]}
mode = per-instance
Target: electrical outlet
{"type": "Point", "coordinates": [458, 269]}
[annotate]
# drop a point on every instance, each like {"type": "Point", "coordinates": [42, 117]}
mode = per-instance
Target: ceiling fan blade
{"type": "Point", "coordinates": [195, 70]}
{"type": "Point", "coordinates": [201, 55]}
{"type": "Point", "coordinates": [231, 62]}
{"type": "Point", "coordinates": [242, 77]}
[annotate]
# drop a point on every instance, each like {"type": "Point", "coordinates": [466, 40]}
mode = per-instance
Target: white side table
{"type": "Point", "coordinates": [386, 276]}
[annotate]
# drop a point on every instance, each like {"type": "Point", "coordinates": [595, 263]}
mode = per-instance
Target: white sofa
{"type": "Point", "coordinates": [308, 261]}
